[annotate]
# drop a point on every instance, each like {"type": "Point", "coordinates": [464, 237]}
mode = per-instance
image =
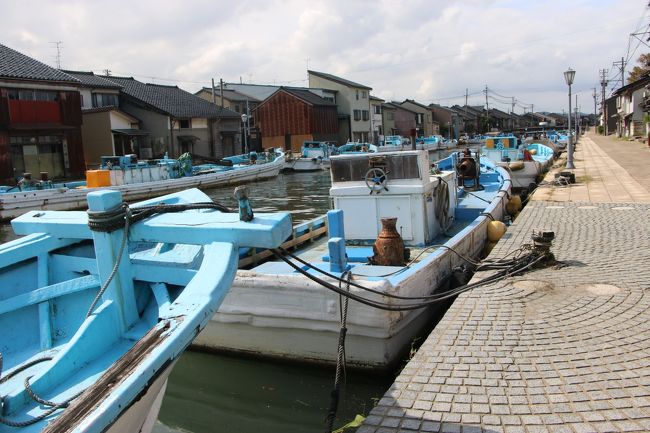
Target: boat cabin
{"type": "Point", "coordinates": [368, 187]}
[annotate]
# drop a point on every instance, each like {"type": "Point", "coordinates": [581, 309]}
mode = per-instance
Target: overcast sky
{"type": "Point", "coordinates": [427, 50]}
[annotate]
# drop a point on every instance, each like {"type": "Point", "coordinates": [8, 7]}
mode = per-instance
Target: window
{"type": "Point", "coordinates": [365, 114]}
{"type": "Point", "coordinates": [419, 118]}
{"type": "Point", "coordinates": [357, 114]}
{"type": "Point", "coordinates": [364, 95]}
{"type": "Point", "coordinates": [185, 123]}
{"type": "Point", "coordinates": [104, 100]}
{"type": "Point", "coordinates": [390, 115]}
{"type": "Point", "coordinates": [357, 94]}
{"type": "Point", "coordinates": [32, 95]}
{"type": "Point", "coordinates": [377, 109]}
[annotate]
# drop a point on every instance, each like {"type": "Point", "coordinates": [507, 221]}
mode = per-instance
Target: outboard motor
{"type": "Point", "coordinates": [468, 169]}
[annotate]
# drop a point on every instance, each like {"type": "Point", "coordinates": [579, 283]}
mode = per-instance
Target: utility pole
{"type": "Point", "coordinates": [603, 85]}
{"type": "Point", "coordinates": [595, 103]}
{"type": "Point", "coordinates": [107, 72]}
{"type": "Point", "coordinates": [621, 67]}
{"type": "Point", "coordinates": [532, 114]}
{"type": "Point", "coordinates": [487, 105]}
{"type": "Point", "coordinates": [214, 96]}
{"type": "Point", "coordinates": [513, 105]}
{"type": "Point", "coordinates": [221, 88]}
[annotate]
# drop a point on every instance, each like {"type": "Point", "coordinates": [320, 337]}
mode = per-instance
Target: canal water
{"type": "Point", "coordinates": [219, 393]}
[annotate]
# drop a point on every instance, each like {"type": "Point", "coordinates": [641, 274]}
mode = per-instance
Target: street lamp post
{"type": "Point", "coordinates": [244, 118]}
{"type": "Point", "coordinates": [568, 77]}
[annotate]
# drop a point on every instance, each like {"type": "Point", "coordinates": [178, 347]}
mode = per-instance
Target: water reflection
{"type": "Point", "coordinates": [208, 393]}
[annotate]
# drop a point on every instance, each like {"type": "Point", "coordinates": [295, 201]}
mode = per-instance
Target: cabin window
{"type": "Point", "coordinates": [355, 169]}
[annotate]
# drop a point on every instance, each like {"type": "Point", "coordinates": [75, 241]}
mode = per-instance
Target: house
{"type": "Point", "coordinates": [405, 120]}
{"type": "Point", "coordinates": [451, 123]}
{"type": "Point", "coordinates": [629, 108]}
{"type": "Point", "coordinates": [106, 130]}
{"type": "Point", "coordinates": [376, 124]}
{"type": "Point", "coordinates": [353, 104]}
{"type": "Point", "coordinates": [388, 119]}
{"type": "Point", "coordinates": [178, 121]}
{"type": "Point", "coordinates": [292, 116]}
{"type": "Point", "coordinates": [40, 120]}
{"type": "Point", "coordinates": [239, 103]}
{"type": "Point", "coordinates": [424, 122]}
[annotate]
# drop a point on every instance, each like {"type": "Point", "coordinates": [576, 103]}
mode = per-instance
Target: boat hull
{"type": "Point", "coordinates": [15, 204]}
{"type": "Point", "coordinates": [290, 317]}
{"type": "Point", "coordinates": [141, 416]}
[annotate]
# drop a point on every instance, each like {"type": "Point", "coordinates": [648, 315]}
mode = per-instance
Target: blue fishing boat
{"type": "Point", "coordinates": [275, 309]}
{"type": "Point", "coordinates": [96, 307]}
{"type": "Point", "coordinates": [350, 148]}
{"type": "Point", "coordinates": [136, 180]}
{"type": "Point", "coordinates": [526, 162]}
{"type": "Point", "coordinates": [314, 156]}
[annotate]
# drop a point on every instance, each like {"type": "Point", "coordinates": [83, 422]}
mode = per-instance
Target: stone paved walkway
{"type": "Point", "coordinates": [555, 350]}
{"type": "Point", "coordinates": [599, 178]}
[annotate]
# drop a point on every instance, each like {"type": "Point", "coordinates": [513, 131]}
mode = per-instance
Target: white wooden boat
{"type": "Point", "coordinates": [274, 311]}
{"type": "Point", "coordinates": [15, 202]}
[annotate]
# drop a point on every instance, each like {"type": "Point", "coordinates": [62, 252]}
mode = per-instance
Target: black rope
{"type": "Point", "coordinates": [113, 219]}
{"type": "Point", "coordinates": [340, 358]}
{"type": "Point", "coordinates": [523, 264]}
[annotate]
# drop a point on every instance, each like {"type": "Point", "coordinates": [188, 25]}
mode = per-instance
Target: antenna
{"type": "Point", "coordinates": [57, 58]}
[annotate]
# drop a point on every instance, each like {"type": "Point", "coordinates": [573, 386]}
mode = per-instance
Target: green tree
{"type": "Point", "coordinates": [640, 69]}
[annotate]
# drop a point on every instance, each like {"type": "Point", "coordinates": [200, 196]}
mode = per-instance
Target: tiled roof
{"type": "Point", "coordinates": [19, 66]}
{"type": "Point", "coordinates": [170, 99]}
{"type": "Point", "coordinates": [417, 104]}
{"type": "Point", "coordinates": [338, 80]}
{"type": "Point", "coordinates": [88, 79]}
{"type": "Point", "coordinates": [308, 96]}
{"type": "Point", "coordinates": [229, 94]}
{"type": "Point", "coordinates": [374, 98]}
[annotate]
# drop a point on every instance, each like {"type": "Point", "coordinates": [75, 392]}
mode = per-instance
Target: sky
{"type": "Point", "coordinates": [432, 51]}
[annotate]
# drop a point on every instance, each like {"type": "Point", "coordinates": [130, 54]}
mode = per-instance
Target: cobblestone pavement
{"type": "Point", "coordinates": [555, 350]}
{"type": "Point", "coordinates": [599, 178]}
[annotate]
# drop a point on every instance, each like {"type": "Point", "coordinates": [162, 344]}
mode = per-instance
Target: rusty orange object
{"type": "Point", "coordinates": [389, 247]}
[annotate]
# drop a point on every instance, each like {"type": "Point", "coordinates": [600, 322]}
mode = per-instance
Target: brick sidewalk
{"type": "Point", "coordinates": [555, 350]}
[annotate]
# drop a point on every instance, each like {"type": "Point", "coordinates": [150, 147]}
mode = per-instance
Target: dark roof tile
{"type": "Point", "coordinates": [89, 79]}
{"type": "Point", "coordinates": [170, 99]}
{"type": "Point", "coordinates": [21, 67]}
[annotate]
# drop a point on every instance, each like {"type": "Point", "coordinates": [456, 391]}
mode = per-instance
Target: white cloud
{"type": "Point", "coordinates": [419, 49]}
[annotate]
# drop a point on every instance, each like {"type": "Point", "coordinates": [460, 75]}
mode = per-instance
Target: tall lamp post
{"type": "Point", "coordinates": [568, 77]}
{"type": "Point", "coordinates": [244, 119]}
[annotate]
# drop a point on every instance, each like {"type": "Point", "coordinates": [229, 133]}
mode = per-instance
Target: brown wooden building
{"type": "Point", "coordinates": [40, 120]}
{"type": "Point", "coordinates": [290, 116]}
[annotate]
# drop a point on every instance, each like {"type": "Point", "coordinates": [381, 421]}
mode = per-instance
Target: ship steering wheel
{"type": "Point", "coordinates": [376, 179]}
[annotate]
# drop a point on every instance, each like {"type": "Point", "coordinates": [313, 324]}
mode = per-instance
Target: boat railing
{"type": "Point", "coordinates": [302, 233]}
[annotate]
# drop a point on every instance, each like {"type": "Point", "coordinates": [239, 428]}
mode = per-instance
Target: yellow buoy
{"type": "Point", "coordinates": [514, 205]}
{"type": "Point", "coordinates": [516, 165]}
{"type": "Point", "coordinates": [495, 230]}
